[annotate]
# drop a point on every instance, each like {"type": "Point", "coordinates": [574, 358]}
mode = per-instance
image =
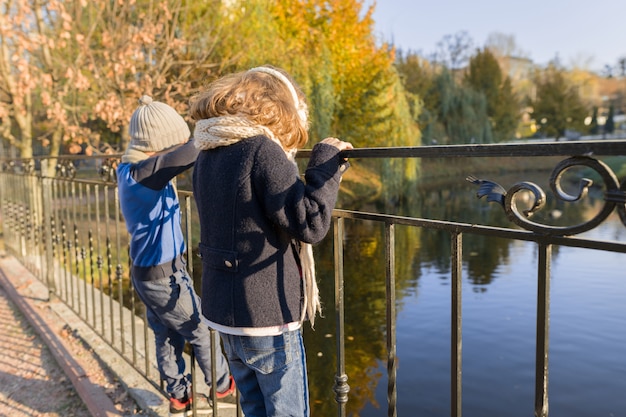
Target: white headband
{"type": "Point", "coordinates": [300, 107]}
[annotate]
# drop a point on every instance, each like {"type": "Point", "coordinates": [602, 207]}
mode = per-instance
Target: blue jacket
{"type": "Point", "coordinates": [253, 208]}
{"type": "Point", "coordinates": [152, 211]}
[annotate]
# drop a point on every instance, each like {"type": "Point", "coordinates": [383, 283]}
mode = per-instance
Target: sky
{"type": "Point", "coordinates": [588, 34]}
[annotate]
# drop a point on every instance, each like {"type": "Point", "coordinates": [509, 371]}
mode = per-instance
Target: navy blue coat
{"type": "Point", "coordinates": [253, 207]}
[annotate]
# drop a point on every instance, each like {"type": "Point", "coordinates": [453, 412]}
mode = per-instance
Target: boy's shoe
{"type": "Point", "coordinates": [180, 408]}
{"type": "Point", "coordinates": [229, 395]}
{"type": "Point", "coordinates": [184, 407]}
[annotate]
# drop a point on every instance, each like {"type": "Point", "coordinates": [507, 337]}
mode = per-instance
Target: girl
{"type": "Point", "coordinates": [257, 222]}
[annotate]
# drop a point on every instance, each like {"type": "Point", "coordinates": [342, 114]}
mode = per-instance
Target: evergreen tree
{"type": "Point", "coordinates": [503, 108]}
{"type": "Point", "coordinates": [558, 105]}
{"type": "Point", "coordinates": [463, 112]}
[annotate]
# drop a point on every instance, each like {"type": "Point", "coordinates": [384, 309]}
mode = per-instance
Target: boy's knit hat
{"type": "Point", "coordinates": [155, 126]}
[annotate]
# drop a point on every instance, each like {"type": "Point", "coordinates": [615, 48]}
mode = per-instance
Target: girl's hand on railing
{"type": "Point", "coordinates": [339, 144]}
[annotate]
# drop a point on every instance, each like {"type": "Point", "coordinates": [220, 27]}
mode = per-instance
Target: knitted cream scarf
{"type": "Point", "coordinates": [226, 130]}
{"type": "Point", "coordinates": [133, 156]}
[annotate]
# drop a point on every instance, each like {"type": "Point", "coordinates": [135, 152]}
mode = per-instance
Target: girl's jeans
{"type": "Point", "coordinates": [174, 314]}
{"type": "Point", "coordinates": [270, 373]}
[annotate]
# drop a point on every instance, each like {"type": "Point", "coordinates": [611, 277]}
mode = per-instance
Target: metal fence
{"type": "Point", "coordinates": [68, 230]}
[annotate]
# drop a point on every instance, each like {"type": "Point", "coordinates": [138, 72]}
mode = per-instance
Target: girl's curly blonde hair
{"type": "Point", "coordinates": [262, 98]}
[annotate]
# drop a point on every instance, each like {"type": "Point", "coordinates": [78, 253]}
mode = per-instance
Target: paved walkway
{"type": "Point", "coordinates": [47, 370]}
{"type": "Point", "coordinates": [31, 381]}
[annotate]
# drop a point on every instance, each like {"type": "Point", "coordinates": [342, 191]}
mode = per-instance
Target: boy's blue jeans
{"type": "Point", "coordinates": [174, 314]}
{"type": "Point", "coordinates": [270, 373]}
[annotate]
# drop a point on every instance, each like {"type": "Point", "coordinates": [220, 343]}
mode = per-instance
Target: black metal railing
{"type": "Point", "coordinates": [68, 230]}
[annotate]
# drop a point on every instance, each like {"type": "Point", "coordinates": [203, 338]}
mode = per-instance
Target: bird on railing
{"type": "Point", "coordinates": [492, 190]}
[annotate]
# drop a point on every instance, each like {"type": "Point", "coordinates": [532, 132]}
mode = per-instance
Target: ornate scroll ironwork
{"type": "Point", "coordinates": [108, 168]}
{"type": "Point", "coordinates": [18, 166]}
{"type": "Point", "coordinates": [614, 196]}
{"type": "Point", "coordinates": [66, 169]}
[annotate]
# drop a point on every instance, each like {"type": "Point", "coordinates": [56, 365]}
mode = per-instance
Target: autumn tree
{"type": "Point", "coordinates": [371, 107]}
{"type": "Point", "coordinates": [329, 47]}
{"type": "Point", "coordinates": [557, 106]}
{"type": "Point", "coordinates": [71, 71]}
{"type": "Point", "coordinates": [161, 48]}
{"type": "Point", "coordinates": [34, 78]}
{"type": "Point", "coordinates": [45, 75]}
{"type": "Point", "coordinates": [484, 75]}
{"type": "Point", "coordinates": [16, 78]}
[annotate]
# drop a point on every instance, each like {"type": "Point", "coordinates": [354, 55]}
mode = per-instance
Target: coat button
{"type": "Point", "coordinates": [228, 264]}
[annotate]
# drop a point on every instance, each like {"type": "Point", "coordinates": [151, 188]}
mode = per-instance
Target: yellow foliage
{"type": "Point", "coordinates": [329, 47]}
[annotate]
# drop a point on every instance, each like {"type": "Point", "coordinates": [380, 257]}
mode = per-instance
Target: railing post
{"type": "Point", "coordinates": [33, 220]}
{"type": "Point", "coordinates": [46, 198]}
{"type": "Point", "coordinates": [391, 319]}
{"type": "Point", "coordinates": [456, 325]}
{"type": "Point", "coordinates": [543, 330]}
{"type": "Point", "coordinates": [119, 271]}
{"type": "Point", "coordinates": [341, 386]}
{"type": "Point", "coordinates": [22, 208]}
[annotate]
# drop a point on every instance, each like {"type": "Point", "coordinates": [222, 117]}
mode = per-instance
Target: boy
{"type": "Point", "coordinates": [160, 149]}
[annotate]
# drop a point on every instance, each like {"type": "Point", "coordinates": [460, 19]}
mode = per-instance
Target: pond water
{"type": "Point", "coordinates": [587, 362]}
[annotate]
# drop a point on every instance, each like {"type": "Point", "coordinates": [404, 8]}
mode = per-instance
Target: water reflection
{"type": "Point", "coordinates": [499, 315]}
{"type": "Point", "coordinates": [365, 340]}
